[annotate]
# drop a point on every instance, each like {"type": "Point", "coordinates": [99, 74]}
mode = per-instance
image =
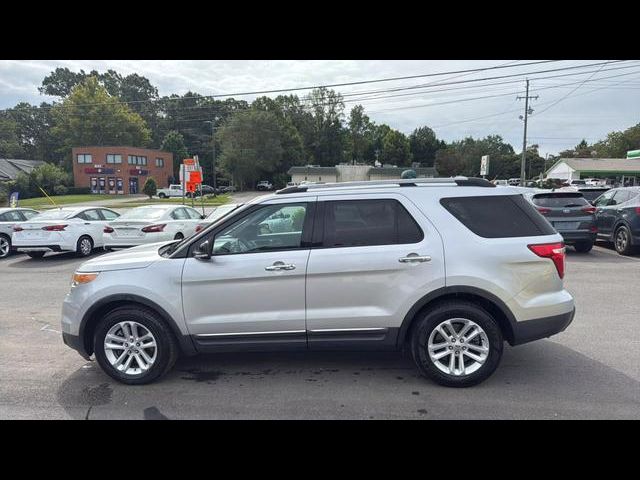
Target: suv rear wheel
{"type": "Point", "coordinates": [583, 247]}
{"type": "Point", "coordinates": [457, 344]}
{"type": "Point", "coordinates": [134, 346]}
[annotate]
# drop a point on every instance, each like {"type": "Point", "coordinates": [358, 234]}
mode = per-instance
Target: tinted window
{"type": "Point", "coordinates": [179, 214]}
{"type": "Point", "coordinates": [559, 200]}
{"type": "Point", "coordinates": [621, 196]}
{"type": "Point", "coordinates": [591, 195]}
{"type": "Point", "coordinates": [91, 215]}
{"type": "Point", "coordinates": [11, 216]}
{"type": "Point", "coordinates": [604, 199]}
{"type": "Point", "coordinates": [109, 215]}
{"type": "Point", "coordinates": [498, 216]}
{"type": "Point", "coordinates": [355, 223]}
{"type": "Point", "coordinates": [273, 227]}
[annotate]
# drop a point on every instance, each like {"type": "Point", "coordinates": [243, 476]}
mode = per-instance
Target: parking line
{"type": "Point", "coordinates": [614, 253]}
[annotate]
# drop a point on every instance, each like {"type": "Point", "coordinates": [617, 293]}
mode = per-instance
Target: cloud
{"type": "Point", "coordinates": [583, 114]}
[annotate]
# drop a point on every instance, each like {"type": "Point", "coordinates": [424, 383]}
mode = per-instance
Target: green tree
{"type": "Point", "coordinates": [10, 146]}
{"type": "Point", "coordinates": [33, 127]}
{"type": "Point", "coordinates": [395, 149]}
{"type": "Point", "coordinates": [424, 145]}
{"type": "Point", "coordinates": [327, 108]}
{"type": "Point", "coordinates": [150, 187]}
{"type": "Point", "coordinates": [90, 116]}
{"type": "Point", "coordinates": [360, 134]}
{"type": "Point", "coordinates": [46, 176]}
{"type": "Point", "coordinates": [174, 142]}
{"type": "Point", "coordinates": [253, 144]}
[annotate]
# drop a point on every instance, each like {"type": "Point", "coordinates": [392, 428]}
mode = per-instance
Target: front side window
{"type": "Point", "coordinates": [605, 199]}
{"type": "Point", "coordinates": [622, 196]}
{"type": "Point", "coordinates": [84, 158]}
{"type": "Point", "coordinates": [357, 223]}
{"type": "Point", "coordinates": [272, 227]}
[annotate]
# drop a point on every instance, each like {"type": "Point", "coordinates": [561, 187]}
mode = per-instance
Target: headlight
{"type": "Point", "coordinates": [81, 278]}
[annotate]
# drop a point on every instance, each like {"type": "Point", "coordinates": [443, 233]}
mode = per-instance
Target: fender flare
{"type": "Point", "coordinates": [457, 290]}
{"type": "Point", "coordinates": [186, 344]}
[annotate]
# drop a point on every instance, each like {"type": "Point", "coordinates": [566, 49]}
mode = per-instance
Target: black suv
{"type": "Point", "coordinates": [571, 215]}
{"type": "Point", "coordinates": [618, 218]}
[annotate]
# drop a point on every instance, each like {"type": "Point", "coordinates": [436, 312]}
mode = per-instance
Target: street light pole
{"type": "Point", "coordinates": [213, 141]}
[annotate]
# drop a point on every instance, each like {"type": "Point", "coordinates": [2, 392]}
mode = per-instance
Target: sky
{"type": "Point", "coordinates": [586, 102]}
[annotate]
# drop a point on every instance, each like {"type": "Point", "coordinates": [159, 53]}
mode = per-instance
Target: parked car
{"type": "Point", "coordinates": [426, 265]}
{"type": "Point", "coordinates": [174, 190]}
{"type": "Point", "coordinates": [575, 183]}
{"type": "Point", "coordinates": [501, 183]}
{"type": "Point", "coordinates": [264, 185]}
{"type": "Point", "coordinates": [514, 182]}
{"type": "Point", "coordinates": [67, 229]}
{"type": "Point", "coordinates": [216, 215]}
{"type": "Point", "coordinates": [591, 193]}
{"type": "Point", "coordinates": [227, 189]}
{"type": "Point", "coordinates": [571, 215]}
{"type": "Point", "coordinates": [8, 218]}
{"type": "Point", "coordinates": [150, 224]}
{"type": "Point", "coordinates": [618, 218]}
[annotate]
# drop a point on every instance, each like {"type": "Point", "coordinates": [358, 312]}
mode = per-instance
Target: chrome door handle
{"type": "Point", "coordinates": [280, 266]}
{"type": "Point", "coordinates": [415, 258]}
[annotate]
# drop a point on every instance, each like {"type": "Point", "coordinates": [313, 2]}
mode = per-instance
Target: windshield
{"type": "Point", "coordinates": [559, 200]}
{"type": "Point", "coordinates": [54, 214]}
{"type": "Point", "coordinates": [143, 214]}
{"type": "Point", "coordinates": [220, 212]}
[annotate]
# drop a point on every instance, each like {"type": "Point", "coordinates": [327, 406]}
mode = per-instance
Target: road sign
{"type": "Point", "coordinates": [633, 154]}
{"type": "Point", "coordinates": [484, 165]}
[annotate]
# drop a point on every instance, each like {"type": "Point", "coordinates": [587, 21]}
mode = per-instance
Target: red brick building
{"type": "Point", "coordinates": [120, 170]}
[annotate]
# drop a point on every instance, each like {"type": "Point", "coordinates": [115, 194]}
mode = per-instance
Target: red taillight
{"type": "Point", "coordinates": [543, 210]}
{"type": "Point", "coordinates": [108, 230]}
{"type": "Point", "coordinates": [16, 228]}
{"type": "Point", "coordinates": [589, 209]}
{"type": "Point", "coordinates": [554, 251]}
{"type": "Point", "coordinates": [593, 229]}
{"type": "Point", "coordinates": [154, 228]}
{"type": "Point", "coordinates": [199, 228]}
{"type": "Point", "coordinates": [637, 210]}
{"type": "Point", "coordinates": [54, 228]}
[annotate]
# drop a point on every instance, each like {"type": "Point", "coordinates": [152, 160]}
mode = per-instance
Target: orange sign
{"type": "Point", "coordinates": [195, 177]}
{"type": "Point", "coordinates": [191, 187]}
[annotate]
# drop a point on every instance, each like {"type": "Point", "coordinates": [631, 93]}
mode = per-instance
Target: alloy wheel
{"type": "Point", "coordinates": [85, 246]}
{"type": "Point", "coordinates": [458, 346]}
{"type": "Point", "coordinates": [4, 247]}
{"type": "Point", "coordinates": [621, 240]}
{"type": "Point", "coordinates": [130, 348]}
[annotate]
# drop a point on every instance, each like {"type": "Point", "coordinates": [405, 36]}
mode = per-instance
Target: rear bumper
{"type": "Point", "coordinates": [530, 330]}
{"type": "Point", "coordinates": [39, 248]}
{"type": "Point", "coordinates": [573, 237]}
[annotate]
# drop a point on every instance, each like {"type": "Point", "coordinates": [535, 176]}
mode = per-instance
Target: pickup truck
{"type": "Point", "coordinates": [264, 185]}
{"type": "Point", "coordinates": [174, 190]}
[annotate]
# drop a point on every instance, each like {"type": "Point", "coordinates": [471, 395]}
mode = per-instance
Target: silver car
{"type": "Point", "coordinates": [8, 218]}
{"type": "Point", "coordinates": [422, 265]}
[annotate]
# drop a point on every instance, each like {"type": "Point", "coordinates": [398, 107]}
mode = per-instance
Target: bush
{"type": "Point", "coordinates": [60, 190]}
{"type": "Point", "coordinates": [150, 187]}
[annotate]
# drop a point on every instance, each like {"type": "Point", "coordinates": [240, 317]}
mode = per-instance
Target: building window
{"type": "Point", "coordinates": [137, 160]}
{"type": "Point", "coordinates": [112, 158]}
{"type": "Point", "coordinates": [160, 162]}
{"type": "Point", "coordinates": [142, 160]}
{"type": "Point", "coordinates": [84, 158]}
{"type": "Point", "coordinates": [131, 160]}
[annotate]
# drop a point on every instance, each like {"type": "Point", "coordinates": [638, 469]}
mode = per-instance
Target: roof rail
{"type": "Point", "coordinates": [408, 182]}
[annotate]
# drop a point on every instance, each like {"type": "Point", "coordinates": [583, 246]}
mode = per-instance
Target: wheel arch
{"type": "Point", "coordinates": [491, 303]}
{"type": "Point", "coordinates": [99, 309]}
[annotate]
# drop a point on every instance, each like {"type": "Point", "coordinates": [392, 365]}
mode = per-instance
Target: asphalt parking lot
{"type": "Point", "coordinates": [590, 371]}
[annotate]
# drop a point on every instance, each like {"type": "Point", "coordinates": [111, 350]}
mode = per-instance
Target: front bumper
{"type": "Point", "coordinates": [75, 342]}
{"type": "Point", "coordinates": [530, 330]}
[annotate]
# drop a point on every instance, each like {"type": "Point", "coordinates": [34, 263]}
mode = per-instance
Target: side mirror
{"type": "Point", "coordinates": [203, 217]}
{"type": "Point", "coordinates": [203, 251]}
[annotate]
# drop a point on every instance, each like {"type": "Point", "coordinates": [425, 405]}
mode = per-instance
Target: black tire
{"type": "Point", "coordinates": [5, 243]}
{"type": "Point", "coordinates": [84, 246]}
{"type": "Point", "coordinates": [167, 347]}
{"type": "Point", "coordinates": [450, 310]}
{"type": "Point", "coordinates": [583, 247]}
{"type": "Point", "coordinates": [179, 236]}
{"type": "Point", "coordinates": [622, 241]}
{"type": "Point", "coordinates": [36, 254]}
{"type": "Point", "coordinates": [162, 195]}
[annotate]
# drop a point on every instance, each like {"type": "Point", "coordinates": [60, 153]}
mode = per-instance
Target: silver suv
{"type": "Point", "coordinates": [446, 269]}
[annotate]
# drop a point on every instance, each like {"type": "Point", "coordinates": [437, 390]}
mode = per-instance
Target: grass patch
{"type": "Point", "coordinates": [44, 202]}
{"type": "Point", "coordinates": [208, 202]}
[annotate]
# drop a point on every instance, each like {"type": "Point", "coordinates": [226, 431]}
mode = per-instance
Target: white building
{"type": "Point", "coordinates": [617, 170]}
{"type": "Point", "coordinates": [350, 173]}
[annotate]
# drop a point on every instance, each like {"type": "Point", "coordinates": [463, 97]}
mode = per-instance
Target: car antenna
{"type": "Point", "coordinates": [48, 197]}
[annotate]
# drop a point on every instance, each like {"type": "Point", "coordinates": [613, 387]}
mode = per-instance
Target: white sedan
{"type": "Point", "coordinates": [65, 229]}
{"type": "Point", "coordinates": [8, 218]}
{"type": "Point", "coordinates": [150, 224]}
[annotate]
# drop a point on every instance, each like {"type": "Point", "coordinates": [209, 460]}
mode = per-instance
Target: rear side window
{"type": "Point", "coordinates": [358, 223]}
{"type": "Point", "coordinates": [559, 200]}
{"type": "Point", "coordinates": [498, 216]}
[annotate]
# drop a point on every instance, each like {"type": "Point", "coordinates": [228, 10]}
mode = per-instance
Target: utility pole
{"type": "Point", "coordinates": [213, 143]}
{"type": "Point", "coordinates": [524, 139]}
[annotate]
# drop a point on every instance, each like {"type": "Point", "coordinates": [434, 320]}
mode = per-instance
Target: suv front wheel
{"type": "Point", "coordinates": [134, 346]}
{"type": "Point", "coordinates": [457, 344]}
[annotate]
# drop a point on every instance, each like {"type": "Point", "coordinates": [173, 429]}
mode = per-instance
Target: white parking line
{"type": "Point", "coordinates": [606, 251]}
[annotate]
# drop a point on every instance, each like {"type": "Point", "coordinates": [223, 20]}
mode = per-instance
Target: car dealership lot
{"type": "Point", "coordinates": [592, 370]}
